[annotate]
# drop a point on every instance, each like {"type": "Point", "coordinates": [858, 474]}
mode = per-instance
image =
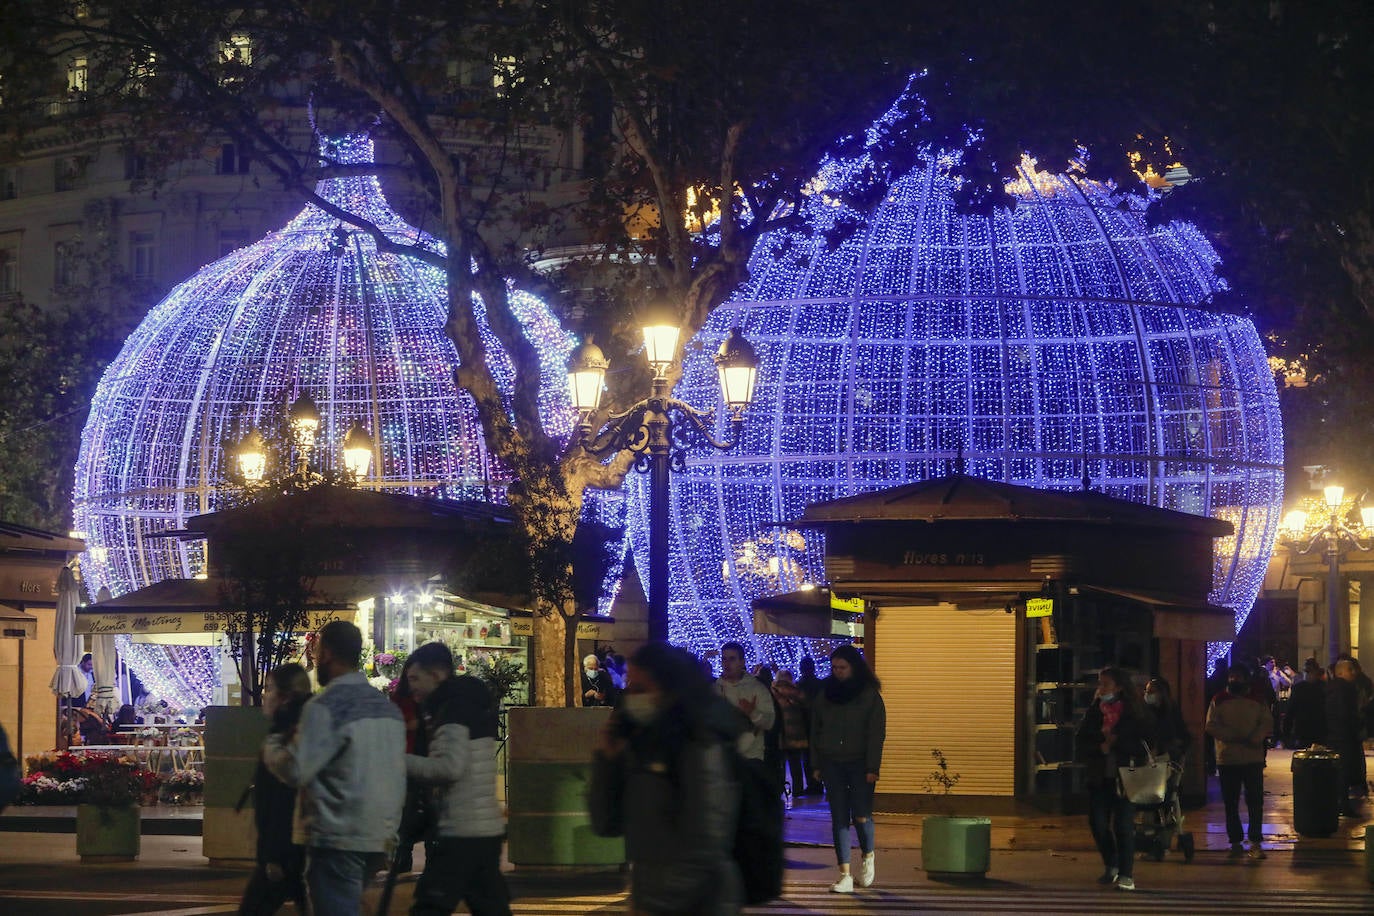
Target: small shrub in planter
{"type": "Point", "coordinates": [952, 846]}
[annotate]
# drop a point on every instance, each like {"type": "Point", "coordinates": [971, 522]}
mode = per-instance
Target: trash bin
{"type": "Point", "coordinates": [1318, 791]}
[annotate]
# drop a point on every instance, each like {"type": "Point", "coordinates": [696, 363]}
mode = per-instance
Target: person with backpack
{"type": "Point", "coordinates": [665, 776]}
{"type": "Point", "coordinates": [848, 727]}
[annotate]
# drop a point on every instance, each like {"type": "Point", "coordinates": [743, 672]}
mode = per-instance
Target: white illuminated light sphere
{"type": "Point", "coordinates": [1066, 327]}
{"type": "Point", "coordinates": [313, 309]}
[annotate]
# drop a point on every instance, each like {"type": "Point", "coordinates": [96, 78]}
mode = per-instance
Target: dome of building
{"type": "Point", "coordinates": [312, 309]}
{"type": "Point", "coordinates": [1061, 338]}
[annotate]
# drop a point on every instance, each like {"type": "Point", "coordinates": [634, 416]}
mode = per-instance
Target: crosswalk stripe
{"type": "Point", "coordinates": [807, 900]}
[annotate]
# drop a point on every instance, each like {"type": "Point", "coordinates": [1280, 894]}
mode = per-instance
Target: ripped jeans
{"type": "Point", "coordinates": [850, 795]}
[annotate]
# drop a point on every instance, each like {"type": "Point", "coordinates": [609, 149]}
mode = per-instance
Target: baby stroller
{"type": "Point", "coordinates": [1158, 821]}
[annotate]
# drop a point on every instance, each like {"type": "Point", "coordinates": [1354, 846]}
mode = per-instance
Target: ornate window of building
{"type": "Point", "coordinates": [69, 172]}
{"type": "Point", "coordinates": [66, 264]}
{"type": "Point", "coordinates": [9, 264]}
{"type": "Point", "coordinates": [142, 255]}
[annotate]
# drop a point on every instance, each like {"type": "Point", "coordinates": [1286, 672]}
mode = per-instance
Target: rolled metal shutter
{"type": "Point", "coordinates": [949, 682]}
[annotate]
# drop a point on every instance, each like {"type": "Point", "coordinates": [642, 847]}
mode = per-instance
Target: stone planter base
{"type": "Point", "coordinates": [956, 847]}
{"type": "Point", "coordinates": [107, 834]}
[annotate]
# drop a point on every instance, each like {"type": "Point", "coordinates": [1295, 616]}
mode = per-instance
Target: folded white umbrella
{"type": "Point", "coordinates": [67, 680]}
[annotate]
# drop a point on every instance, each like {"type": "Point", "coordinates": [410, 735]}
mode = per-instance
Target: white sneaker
{"type": "Point", "coordinates": [1125, 884]}
{"type": "Point", "coordinates": [843, 886]}
{"type": "Point", "coordinates": [867, 869]}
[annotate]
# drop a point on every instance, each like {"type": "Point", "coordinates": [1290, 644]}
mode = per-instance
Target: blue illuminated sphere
{"type": "Point", "coordinates": [1027, 340]}
{"type": "Point", "coordinates": [312, 309]}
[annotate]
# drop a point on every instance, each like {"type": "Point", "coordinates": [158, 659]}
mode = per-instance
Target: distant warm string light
{"type": "Point", "coordinates": [1065, 330]}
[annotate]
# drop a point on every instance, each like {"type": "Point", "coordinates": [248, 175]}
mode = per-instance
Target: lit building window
{"type": "Point", "coordinates": [77, 77]}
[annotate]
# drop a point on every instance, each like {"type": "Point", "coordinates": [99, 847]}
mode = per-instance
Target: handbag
{"type": "Point", "coordinates": [1145, 784]}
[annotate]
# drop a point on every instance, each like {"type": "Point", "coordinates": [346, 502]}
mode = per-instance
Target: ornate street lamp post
{"type": "Point", "coordinates": [660, 430]}
{"type": "Point", "coordinates": [1304, 534]}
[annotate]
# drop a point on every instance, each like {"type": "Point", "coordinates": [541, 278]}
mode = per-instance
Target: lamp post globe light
{"type": "Point", "coordinates": [1303, 531]}
{"type": "Point", "coordinates": [660, 429]}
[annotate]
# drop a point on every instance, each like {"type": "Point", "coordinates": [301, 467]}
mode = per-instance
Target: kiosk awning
{"type": "Point", "coordinates": [186, 606]}
{"type": "Point", "coordinates": [16, 624]}
{"type": "Point", "coordinates": [1178, 617]}
{"type": "Point", "coordinates": [814, 612]}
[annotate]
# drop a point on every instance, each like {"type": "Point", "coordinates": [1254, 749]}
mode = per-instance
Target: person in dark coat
{"type": "Point", "coordinates": [598, 687]}
{"type": "Point", "coordinates": [810, 687]}
{"type": "Point", "coordinates": [1116, 731]}
{"type": "Point", "coordinates": [1345, 728]}
{"type": "Point", "coordinates": [279, 873]}
{"type": "Point", "coordinates": [664, 777]}
{"type": "Point", "coordinates": [1307, 707]}
{"type": "Point", "coordinates": [1172, 736]}
{"type": "Point", "coordinates": [848, 730]}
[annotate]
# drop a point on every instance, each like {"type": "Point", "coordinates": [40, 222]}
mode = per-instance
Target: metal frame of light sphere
{"type": "Point", "coordinates": [660, 430]}
{"type": "Point", "coordinates": [1335, 537]}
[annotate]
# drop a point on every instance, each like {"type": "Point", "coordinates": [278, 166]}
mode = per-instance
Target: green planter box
{"type": "Point", "coordinates": [107, 834]}
{"type": "Point", "coordinates": [549, 767]}
{"type": "Point", "coordinates": [956, 846]}
{"type": "Point", "coordinates": [233, 740]}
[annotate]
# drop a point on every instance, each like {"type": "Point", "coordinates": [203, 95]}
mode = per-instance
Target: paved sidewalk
{"type": "Point", "coordinates": [808, 823]}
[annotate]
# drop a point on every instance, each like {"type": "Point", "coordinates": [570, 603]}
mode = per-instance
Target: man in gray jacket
{"type": "Point", "coordinates": [455, 766]}
{"type": "Point", "coordinates": [347, 758]}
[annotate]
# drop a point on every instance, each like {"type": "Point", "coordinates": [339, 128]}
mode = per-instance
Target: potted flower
{"type": "Point", "coordinates": [951, 846]}
{"type": "Point", "coordinates": [182, 787]}
{"type": "Point", "coordinates": [107, 820]}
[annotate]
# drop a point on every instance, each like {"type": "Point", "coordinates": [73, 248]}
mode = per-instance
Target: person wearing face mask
{"type": "Point", "coordinates": [1241, 727]}
{"type": "Point", "coordinates": [598, 688]}
{"type": "Point", "coordinates": [663, 776]}
{"type": "Point", "coordinates": [1171, 733]}
{"type": "Point", "coordinates": [1117, 730]}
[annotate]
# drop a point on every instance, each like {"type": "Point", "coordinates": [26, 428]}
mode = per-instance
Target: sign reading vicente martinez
{"type": "Point", "coordinates": [101, 624]}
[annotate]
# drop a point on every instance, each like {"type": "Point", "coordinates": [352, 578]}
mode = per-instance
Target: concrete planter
{"type": "Point", "coordinates": [108, 833]}
{"type": "Point", "coordinates": [956, 846]}
{"type": "Point", "coordinates": [549, 754]}
{"type": "Point", "coordinates": [233, 741]}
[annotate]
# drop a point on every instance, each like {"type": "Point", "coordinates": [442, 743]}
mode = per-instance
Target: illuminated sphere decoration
{"type": "Point", "coordinates": [1066, 330]}
{"type": "Point", "coordinates": [313, 309]}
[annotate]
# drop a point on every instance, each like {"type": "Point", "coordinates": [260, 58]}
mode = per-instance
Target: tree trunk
{"type": "Point", "coordinates": [552, 675]}
{"type": "Point", "coordinates": [573, 681]}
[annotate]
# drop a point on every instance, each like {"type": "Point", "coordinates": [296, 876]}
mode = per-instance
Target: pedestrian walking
{"type": "Point", "coordinates": [809, 685]}
{"type": "Point", "coordinates": [1241, 726]}
{"type": "Point", "coordinates": [1117, 730]}
{"type": "Point", "coordinates": [347, 760]}
{"type": "Point", "coordinates": [795, 739]}
{"type": "Point", "coordinates": [454, 767]}
{"type": "Point", "coordinates": [663, 776]}
{"type": "Point", "coordinates": [848, 727]}
{"type": "Point", "coordinates": [279, 872]}
{"type": "Point", "coordinates": [414, 813]}
{"type": "Point", "coordinates": [1171, 731]}
{"type": "Point", "coordinates": [749, 697]}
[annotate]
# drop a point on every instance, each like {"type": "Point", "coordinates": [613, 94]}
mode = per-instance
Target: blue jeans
{"type": "Point", "coordinates": [1111, 817]}
{"type": "Point", "coordinates": [335, 878]}
{"type": "Point", "coordinates": [850, 795]}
